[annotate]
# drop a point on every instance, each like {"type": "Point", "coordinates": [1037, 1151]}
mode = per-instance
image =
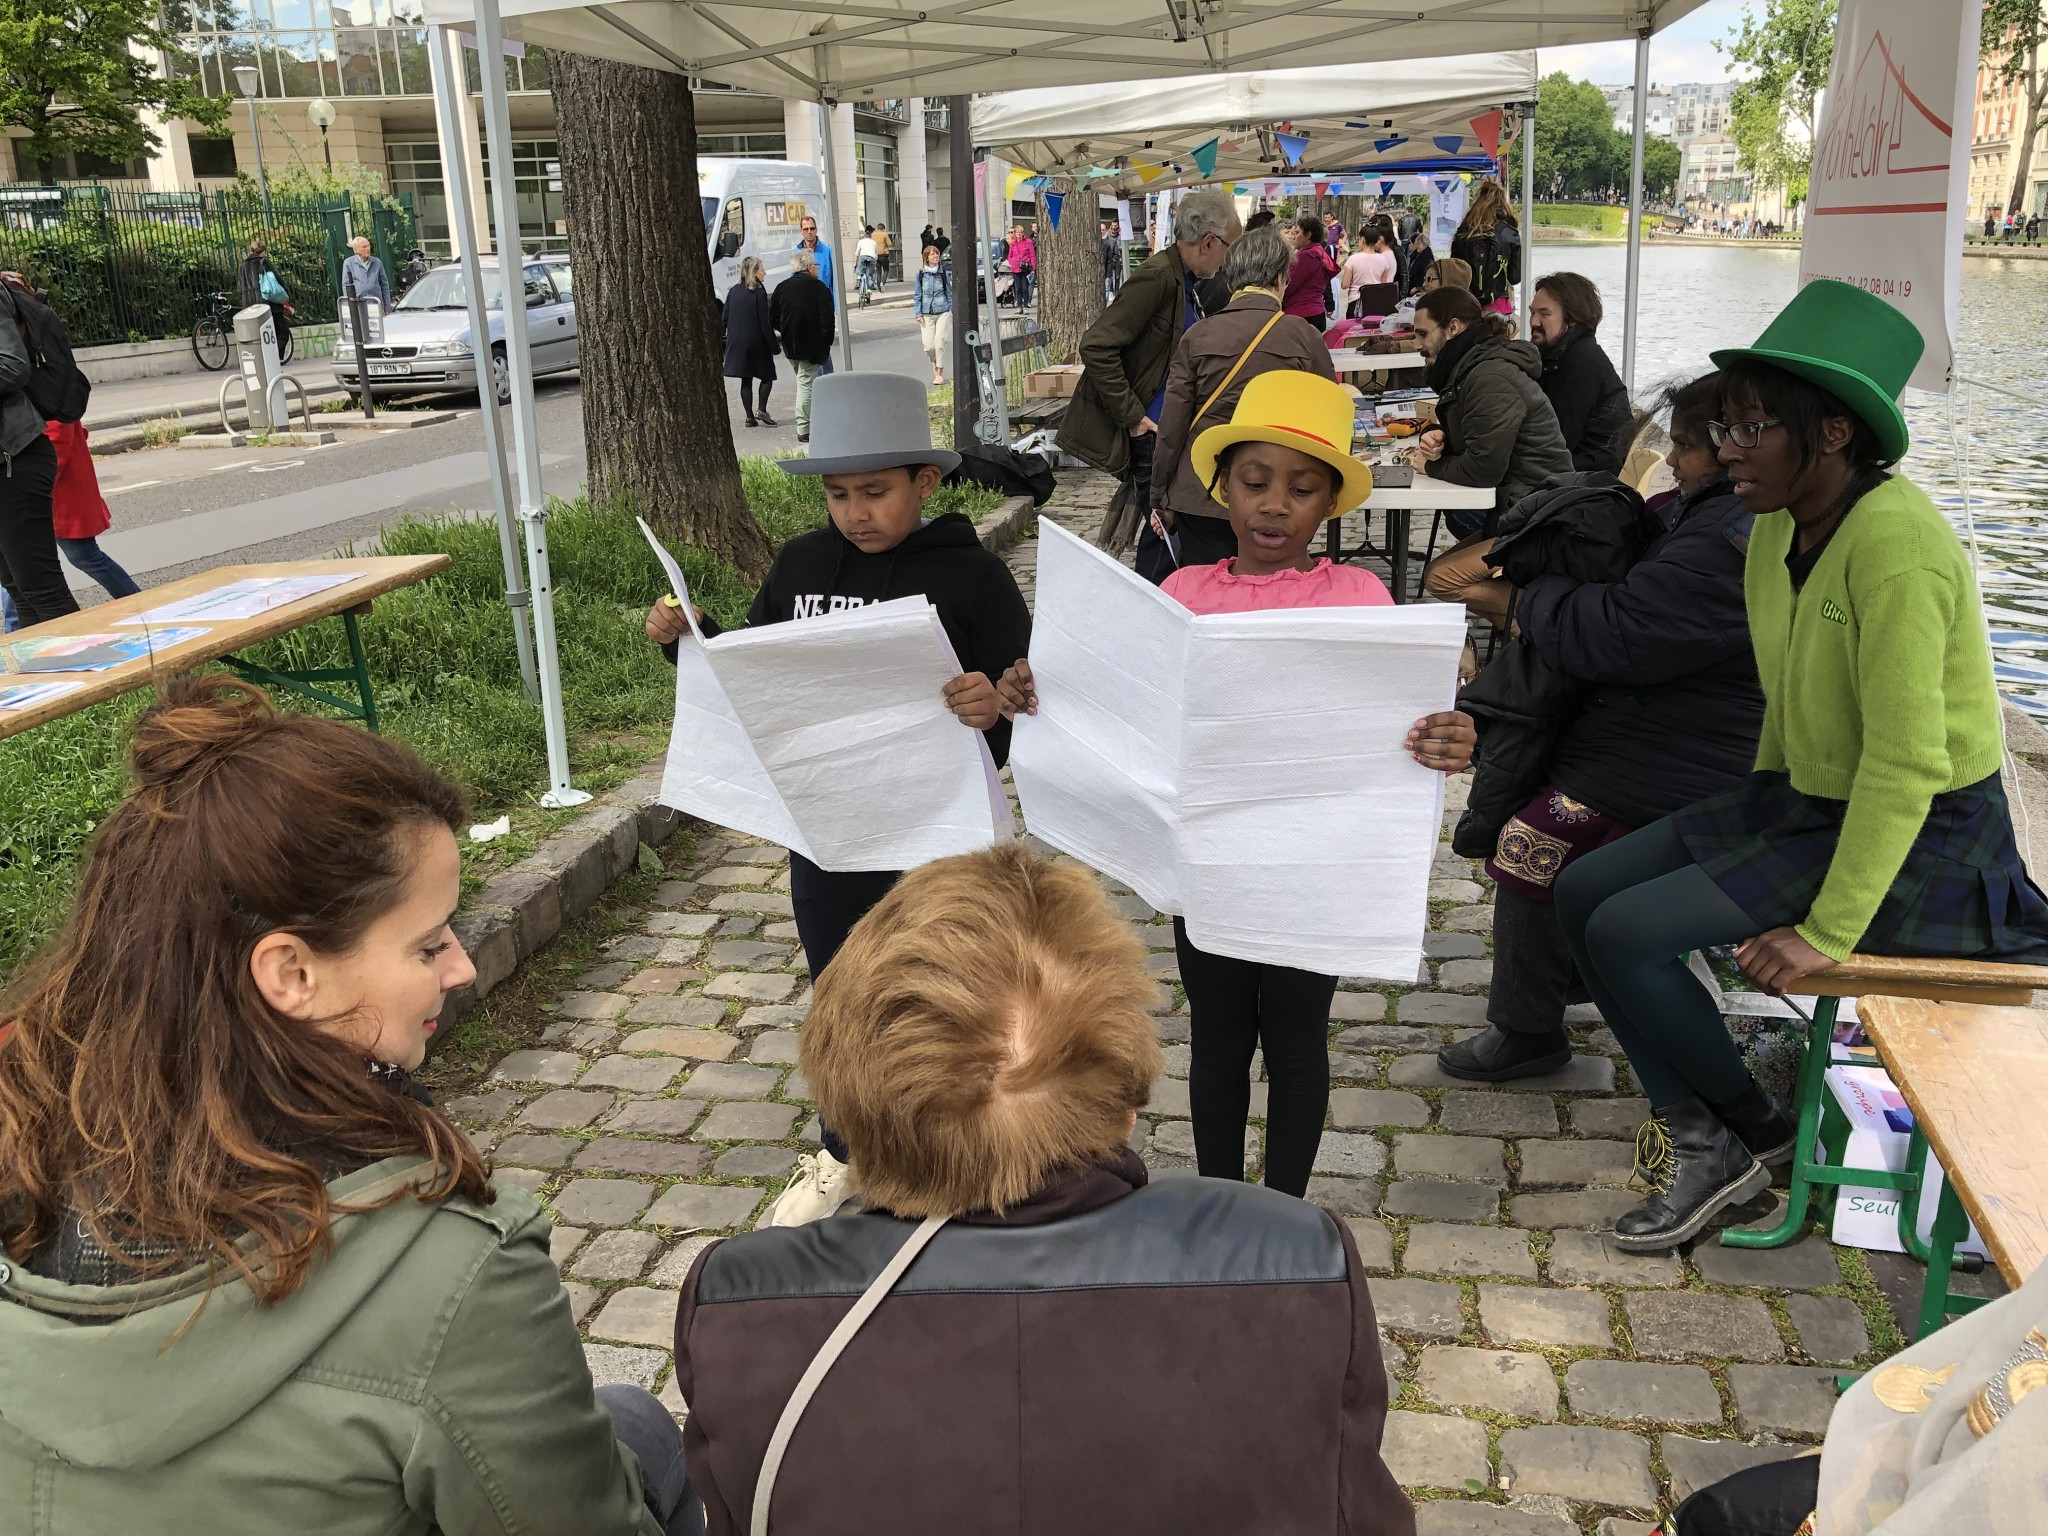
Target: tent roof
{"type": "Point", "coordinates": [894, 48]}
{"type": "Point", "coordinates": [1355, 116]}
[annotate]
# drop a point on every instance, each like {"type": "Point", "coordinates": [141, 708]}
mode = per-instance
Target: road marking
{"type": "Point", "coordinates": [271, 469]}
{"type": "Point", "coordinates": [115, 490]}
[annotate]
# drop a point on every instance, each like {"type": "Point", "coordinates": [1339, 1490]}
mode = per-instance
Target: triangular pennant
{"type": "Point", "coordinates": [1322, 189]}
{"type": "Point", "coordinates": [1053, 203]}
{"type": "Point", "coordinates": [1444, 186]}
{"type": "Point", "coordinates": [1486, 129]}
{"type": "Point", "coordinates": [1292, 145]}
{"type": "Point", "coordinates": [1386, 189]}
{"type": "Point", "coordinates": [1017, 177]}
{"type": "Point", "coordinates": [1147, 171]}
{"type": "Point", "coordinates": [1204, 156]}
{"type": "Point", "coordinates": [1383, 145]}
{"type": "Point", "coordinates": [1449, 143]}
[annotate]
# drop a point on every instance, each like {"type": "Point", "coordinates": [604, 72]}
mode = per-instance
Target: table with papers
{"type": "Point", "coordinates": [1400, 503]}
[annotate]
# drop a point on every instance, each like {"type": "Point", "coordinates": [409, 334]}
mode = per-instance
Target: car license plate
{"type": "Point", "coordinates": [380, 370]}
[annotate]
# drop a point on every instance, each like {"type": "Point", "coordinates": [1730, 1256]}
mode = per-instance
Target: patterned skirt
{"type": "Point", "coordinates": [1963, 891]}
{"type": "Point", "coordinates": [1544, 836]}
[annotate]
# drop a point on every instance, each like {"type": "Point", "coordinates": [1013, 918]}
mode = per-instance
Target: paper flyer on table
{"type": "Point", "coordinates": [28, 695]}
{"type": "Point", "coordinates": [1243, 771]}
{"type": "Point", "coordinates": [249, 598]}
{"type": "Point", "coordinates": [830, 735]}
{"type": "Point", "coordinates": [89, 653]}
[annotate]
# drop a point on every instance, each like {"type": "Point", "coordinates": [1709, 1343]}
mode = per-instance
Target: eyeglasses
{"type": "Point", "coordinates": [1744, 434]}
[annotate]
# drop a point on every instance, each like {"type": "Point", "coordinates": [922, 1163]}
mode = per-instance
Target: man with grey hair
{"type": "Point", "coordinates": [800, 309]}
{"type": "Point", "coordinates": [1114, 416]}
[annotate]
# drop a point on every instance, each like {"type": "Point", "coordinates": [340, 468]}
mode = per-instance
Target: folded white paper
{"type": "Point", "coordinates": [831, 736]}
{"type": "Point", "coordinates": [1244, 771]}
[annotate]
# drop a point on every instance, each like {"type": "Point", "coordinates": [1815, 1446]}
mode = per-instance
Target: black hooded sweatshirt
{"type": "Point", "coordinates": [977, 598]}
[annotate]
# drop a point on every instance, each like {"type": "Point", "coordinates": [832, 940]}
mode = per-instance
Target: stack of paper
{"type": "Point", "coordinates": [831, 736]}
{"type": "Point", "coordinates": [1245, 771]}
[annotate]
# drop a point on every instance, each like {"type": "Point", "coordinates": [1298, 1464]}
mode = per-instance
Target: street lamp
{"type": "Point", "coordinates": [322, 112]}
{"type": "Point", "coordinates": [246, 81]}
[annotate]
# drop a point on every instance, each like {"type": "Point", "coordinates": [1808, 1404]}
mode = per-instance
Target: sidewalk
{"type": "Point", "coordinates": [654, 1103]}
{"type": "Point", "coordinates": [193, 396]}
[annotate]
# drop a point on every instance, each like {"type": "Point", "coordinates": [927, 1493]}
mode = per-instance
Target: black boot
{"type": "Point", "coordinates": [1765, 1129]}
{"type": "Point", "coordinates": [1698, 1168]}
{"type": "Point", "coordinates": [1497, 1055]}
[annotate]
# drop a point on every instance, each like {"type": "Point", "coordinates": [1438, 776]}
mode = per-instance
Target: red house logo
{"type": "Point", "coordinates": [1882, 134]}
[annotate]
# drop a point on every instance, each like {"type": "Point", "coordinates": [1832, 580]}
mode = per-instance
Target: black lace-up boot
{"type": "Point", "coordinates": [1765, 1129]}
{"type": "Point", "coordinates": [1696, 1168]}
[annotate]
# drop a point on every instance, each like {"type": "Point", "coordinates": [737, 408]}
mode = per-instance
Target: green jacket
{"type": "Point", "coordinates": [1125, 354]}
{"type": "Point", "coordinates": [427, 1377]}
{"type": "Point", "coordinates": [1888, 631]}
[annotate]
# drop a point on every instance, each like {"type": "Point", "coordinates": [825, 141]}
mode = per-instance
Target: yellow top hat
{"type": "Point", "coordinates": [1297, 410]}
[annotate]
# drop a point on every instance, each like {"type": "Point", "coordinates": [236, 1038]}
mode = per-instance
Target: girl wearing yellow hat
{"type": "Point", "coordinates": [1282, 469]}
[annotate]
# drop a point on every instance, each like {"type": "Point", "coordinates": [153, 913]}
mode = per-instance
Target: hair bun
{"type": "Point", "coordinates": [197, 721]}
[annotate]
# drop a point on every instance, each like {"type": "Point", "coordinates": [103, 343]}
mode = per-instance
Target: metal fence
{"type": "Point", "coordinates": [124, 265]}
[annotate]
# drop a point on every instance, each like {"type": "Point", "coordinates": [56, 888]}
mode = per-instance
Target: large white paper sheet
{"type": "Point", "coordinates": [1244, 771]}
{"type": "Point", "coordinates": [830, 735]}
{"type": "Point", "coordinates": [249, 598]}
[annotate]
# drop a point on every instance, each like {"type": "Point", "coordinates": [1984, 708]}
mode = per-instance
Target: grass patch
{"type": "Point", "coordinates": [446, 674]}
{"type": "Point", "coordinates": [1596, 221]}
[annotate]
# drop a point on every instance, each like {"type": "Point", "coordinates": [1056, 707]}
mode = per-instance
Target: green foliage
{"type": "Point", "coordinates": [1773, 115]}
{"type": "Point", "coordinates": [1662, 160]}
{"type": "Point", "coordinates": [77, 77]}
{"type": "Point", "coordinates": [1575, 141]}
{"type": "Point", "coordinates": [2010, 44]}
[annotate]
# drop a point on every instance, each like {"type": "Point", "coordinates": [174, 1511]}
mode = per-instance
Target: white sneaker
{"type": "Point", "coordinates": [817, 1189]}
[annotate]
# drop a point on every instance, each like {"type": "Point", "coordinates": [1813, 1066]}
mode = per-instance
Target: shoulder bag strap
{"type": "Point", "coordinates": [823, 1361]}
{"type": "Point", "coordinates": [1242, 358]}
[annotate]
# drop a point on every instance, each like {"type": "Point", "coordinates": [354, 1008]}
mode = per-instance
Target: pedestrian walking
{"type": "Point", "coordinates": [260, 284]}
{"type": "Point", "coordinates": [806, 321]}
{"type": "Point", "coordinates": [750, 345]}
{"type": "Point", "coordinates": [932, 298]}
{"type": "Point", "coordinates": [362, 275]}
{"type": "Point", "coordinates": [29, 572]}
{"type": "Point", "coordinates": [1022, 255]}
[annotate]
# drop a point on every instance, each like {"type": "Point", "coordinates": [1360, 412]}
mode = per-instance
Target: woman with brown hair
{"type": "Point", "coordinates": [251, 1280]}
{"type": "Point", "coordinates": [1490, 239]}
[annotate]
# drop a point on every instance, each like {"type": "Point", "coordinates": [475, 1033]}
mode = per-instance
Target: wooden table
{"type": "Point", "coordinates": [1400, 503]}
{"type": "Point", "coordinates": [1351, 360]}
{"type": "Point", "coordinates": [374, 577]}
{"type": "Point", "coordinates": [1976, 1078]}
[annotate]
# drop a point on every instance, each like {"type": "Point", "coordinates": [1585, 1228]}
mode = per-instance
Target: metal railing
{"type": "Point", "coordinates": [896, 109]}
{"type": "Point", "coordinates": [938, 116]}
{"type": "Point", "coordinates": [126, 265]}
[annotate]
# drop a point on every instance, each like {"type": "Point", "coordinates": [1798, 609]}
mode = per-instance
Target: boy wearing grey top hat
{"type": "Point", "coordinates": [871, 443]}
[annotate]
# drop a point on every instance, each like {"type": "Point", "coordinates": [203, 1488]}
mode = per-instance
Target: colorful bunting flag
{"type": "Point", "coordinates": [1322, 189]}
{"type": "Point", "coordinates": [1449, 143]}
{"type": "Point", "coordinates": [1147, 171]}
{"type": "Point", "coordinates": [1204, 156]}
{"type": "Point", "coordinates": [1017, 177]}
{"type": "Point", "coordinates": [1386, 189]}
{"type": "Point", "coordinates": [1053, 203]}
{"type": "Point", "coordinates": [1486, 129]}
{"type": "Point", "coordinates": [1292, 145]}
{"type": "Point", "coordinates": [1383, 145]}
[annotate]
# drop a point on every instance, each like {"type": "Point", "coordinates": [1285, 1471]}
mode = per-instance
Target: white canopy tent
{"type": "Point", "coordinates": [859, 49]}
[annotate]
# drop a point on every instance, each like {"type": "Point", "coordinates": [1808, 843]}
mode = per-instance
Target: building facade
{"type": "Point", "coordinates": [1997, 124]}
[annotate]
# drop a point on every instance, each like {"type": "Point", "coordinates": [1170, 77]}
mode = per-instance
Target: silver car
{"type": "Point", "coordinates": [426, 346]}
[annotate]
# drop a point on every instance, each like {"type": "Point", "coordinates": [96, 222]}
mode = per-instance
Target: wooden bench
{"type": "Point", "coordinates": [1976, 1077]}
{"type": "Point", "coordinates": [1981, 982]}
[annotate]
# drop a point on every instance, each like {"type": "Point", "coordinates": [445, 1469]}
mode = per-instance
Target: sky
{"type": "Point", "coordinates": [1683, 52]}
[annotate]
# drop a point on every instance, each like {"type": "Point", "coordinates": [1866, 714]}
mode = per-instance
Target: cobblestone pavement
{"type": "Point", "coordinates": [1543, 1382]}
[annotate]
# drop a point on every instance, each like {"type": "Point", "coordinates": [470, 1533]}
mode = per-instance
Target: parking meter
{"type": "Point", "coordinates": [256, 353]}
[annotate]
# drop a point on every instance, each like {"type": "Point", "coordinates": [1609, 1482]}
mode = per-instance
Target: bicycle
{"type": "Point", "coordinates": [869, 280]}
{"type": "Point", "coordinates": [213, 335]}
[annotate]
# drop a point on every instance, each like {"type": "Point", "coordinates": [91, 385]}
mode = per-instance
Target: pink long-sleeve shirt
{"type": "Point", "coordinates": [1219, 589]}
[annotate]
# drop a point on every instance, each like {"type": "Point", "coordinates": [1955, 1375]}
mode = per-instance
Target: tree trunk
{"type": "Point", "coordinates": [654, 399]}
{"type": "Point", "coordinates": [2035, 90]}
{"type": "Point", "coordinates": [1069, 268]}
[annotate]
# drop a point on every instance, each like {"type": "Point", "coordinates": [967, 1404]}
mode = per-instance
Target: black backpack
{"type": "Point", "coordinates": [55, 385]}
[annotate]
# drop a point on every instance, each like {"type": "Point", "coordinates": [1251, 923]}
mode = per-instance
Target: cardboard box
{"type": "Point", "coordinates": [1880, 1124]}
{"type": "Point", "coordinates": [1057, 382]}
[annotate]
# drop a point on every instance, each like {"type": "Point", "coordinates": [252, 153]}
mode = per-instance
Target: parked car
{"type": "Point", "coordinates": [426, 346]}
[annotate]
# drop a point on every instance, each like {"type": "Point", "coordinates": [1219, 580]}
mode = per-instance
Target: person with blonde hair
{"type": "Point", "coordinates": [988, 1336]}
{"type": "Point", "coordinates": [750, 344]}
{"type": "Point", "coordinates": [1490, 242]}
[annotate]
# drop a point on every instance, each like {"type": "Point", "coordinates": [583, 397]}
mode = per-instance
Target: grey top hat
{"type": "Point", "coordinates": [863, 421]}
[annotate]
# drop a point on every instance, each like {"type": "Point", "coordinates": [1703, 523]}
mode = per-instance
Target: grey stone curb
{"type": "Point", "coordinates": [520, 910]}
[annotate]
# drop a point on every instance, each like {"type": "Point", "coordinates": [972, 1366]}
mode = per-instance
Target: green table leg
{"type": "Point", "coordinates": [1820, 1032]}
{"type": "Point", "coordinates": [1951, 1226]}
{"type": "Point", "coordinates": [362, 669]}
{"type": "Point", "coordinates": [363, 707]}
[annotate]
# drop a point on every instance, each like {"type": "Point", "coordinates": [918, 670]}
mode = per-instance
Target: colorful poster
{"type": "Point", "coordinates": [1887, 201]}
{"type": "Point", "coordinates": [29, 695]}
{"type": "Point", "coordinates": [249, 598]}
{"type": "Point", "coordinates": [88, 653]}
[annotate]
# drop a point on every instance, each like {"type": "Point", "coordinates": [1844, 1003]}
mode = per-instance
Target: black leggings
{"type": "Point", "coordinates": [1631, 912]}
{"type": "Point", "coordinates": [746, 401]}
{"type": "Point", "coordinates": [1234, 1006]}
{"type": "Point", "coordinates": [827, 905]}
{"type": "Point", "coordinates": [28, 538]}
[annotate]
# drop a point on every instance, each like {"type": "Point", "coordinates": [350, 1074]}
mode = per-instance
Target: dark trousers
{"type": "Point", "coordinates": [1205, 540]}
{"type": "Point", "coordinates": [1771, 1500]}
{"type": "Point", "coordinates": [746, 400]}
{"type": "Point", "coordinates": [644, 1427]}
{"type": "Point", "coordinates": [1532, 966]}
{"type": "Point", "coordinates": [1154, 561]}
{"type": "Point", "coordinates": [1235, 1006]}
{"type": "Point", "coordinates": [282, 327]}
{"type": "Point", "coordinates": [28, 538]}
{"type": "Point", "coordinates": [1631, 912]}
{"type": "Point", "coordinates": [827, 905]}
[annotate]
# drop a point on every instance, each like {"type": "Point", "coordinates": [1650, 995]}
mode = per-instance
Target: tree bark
{"type": "Point", "coordinates": [1069, 268]}
{"type": "Point", "coordinates": [655, 430]}
{"type": "Point", "coordinates": [2034, 89]}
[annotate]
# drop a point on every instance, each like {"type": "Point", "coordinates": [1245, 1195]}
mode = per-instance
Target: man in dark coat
{"type": "Point", "coordinates": [981, 1043]}
{"type": "Point", "coordinates": [1579, 379]}
{"type": "Point", "coordinates": [801, 311]}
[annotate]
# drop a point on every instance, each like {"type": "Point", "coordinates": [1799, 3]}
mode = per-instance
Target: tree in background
{"type": "Point", "coordinates": [1574, 140]}
{"type": "Point", "coordinates": [1661, 163]}
{"type": "Point", "coordinates": [655, 430]}
{"type": "Point", "coordinates": [1773, 115]}
{"type": "Point", "coordinates": [77, 77]}
{"type": "Point", "coordinates": [2011, 46]}
{"type": "Point", "coordinates": [1069, 266]}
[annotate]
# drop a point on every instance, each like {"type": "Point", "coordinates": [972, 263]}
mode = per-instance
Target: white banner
{"type": "Point", "coordinates": [1447, 198]}
{"type": "Point", "coordinates": [1885, 209]}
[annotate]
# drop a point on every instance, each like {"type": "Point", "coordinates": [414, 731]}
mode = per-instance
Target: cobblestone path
{"type": "Point", "coordinates": [1543, 1382]}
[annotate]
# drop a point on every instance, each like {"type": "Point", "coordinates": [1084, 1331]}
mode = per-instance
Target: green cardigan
{"type": "Point", "coordinates": [1887, 631]}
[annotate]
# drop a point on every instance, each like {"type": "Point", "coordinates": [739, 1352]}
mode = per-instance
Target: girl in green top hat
{"type": "Point", "coordinates": [1874, 820]}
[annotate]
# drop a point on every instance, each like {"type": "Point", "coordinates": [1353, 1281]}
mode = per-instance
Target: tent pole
{"type": "Point", "coordinates": [998, 406]}
{"type": "Point", "coordinates": [1528, 211]}
{"type": "Point", "coordinates": [1638, 118]}
{"type": "Point", "coordinates": [843, 258]}
{"type": "Point", "coordinates": [462, 216]}
{"type": "Point", "coordinates": [967, 246]}
{"type": "Point", "coordinates": [490, 38]}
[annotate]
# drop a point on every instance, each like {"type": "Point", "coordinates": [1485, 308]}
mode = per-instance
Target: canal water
{"type": "Point", "coordinates": [1697, 298]}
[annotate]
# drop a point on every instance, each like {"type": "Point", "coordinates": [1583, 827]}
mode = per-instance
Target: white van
{"type": "Point", "coordinates": [756, 208]}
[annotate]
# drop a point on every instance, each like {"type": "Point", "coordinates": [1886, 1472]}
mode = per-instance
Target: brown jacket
{"type": "Point", "coordinates": [1104, 1359]}
{"type": "Point", "coordinates": [1125, 353]}
{"type": "Point", "coordinates": [1205, 355]}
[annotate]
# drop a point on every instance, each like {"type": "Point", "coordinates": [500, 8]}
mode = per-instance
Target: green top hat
{"type": "Point", "coordinates": [1853, 345]}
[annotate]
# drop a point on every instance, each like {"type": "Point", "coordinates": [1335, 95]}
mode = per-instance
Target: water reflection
{"type": "Point", "coordinates": [1696, 298]}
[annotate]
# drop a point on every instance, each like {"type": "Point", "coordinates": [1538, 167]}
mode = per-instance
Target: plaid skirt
{"type": "Point", "coordinates": [1963, 891]}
